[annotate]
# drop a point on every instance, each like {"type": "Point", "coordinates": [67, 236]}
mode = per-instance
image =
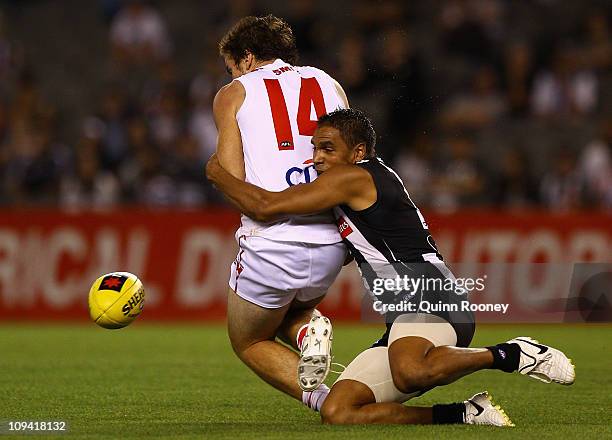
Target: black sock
{"type": "Point", "coordinates": [448, 413]}
{"type": "Point", "coordinates": [505, 357]}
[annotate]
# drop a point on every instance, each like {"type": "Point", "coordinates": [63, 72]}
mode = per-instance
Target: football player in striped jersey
{"type": "Point", "coordinates": [389, 237]}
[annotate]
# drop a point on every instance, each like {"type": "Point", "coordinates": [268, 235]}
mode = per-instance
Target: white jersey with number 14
{"type": "Point", "coordinates": [277, 120]}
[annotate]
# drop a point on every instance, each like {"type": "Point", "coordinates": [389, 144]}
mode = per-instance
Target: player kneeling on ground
{"type": "Point", "coordinates": [388, 237]}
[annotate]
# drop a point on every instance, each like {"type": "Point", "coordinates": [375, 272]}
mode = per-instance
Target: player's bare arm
{"type": "Point", "coordinates": [342, 184]}
{"type": "Point", "coordinates": [229, 143]}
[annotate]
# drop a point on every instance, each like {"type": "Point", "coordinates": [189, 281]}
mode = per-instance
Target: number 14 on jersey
{"type": "Point", "coordinates": [310, 93]}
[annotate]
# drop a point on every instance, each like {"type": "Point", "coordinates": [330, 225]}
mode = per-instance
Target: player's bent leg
{"type": "Point", "coordinates": [351, 402]}
{"type": "Point", "coordinates": [252, 330]}
{"type": "Point", "coordinates": [422, 354]}
{"type": "Point", "coordinates": [365, 394]}
{"type": "Point", "coordinates": [416, 364]}
{"type": "Point", "coordinates": [258, 304]}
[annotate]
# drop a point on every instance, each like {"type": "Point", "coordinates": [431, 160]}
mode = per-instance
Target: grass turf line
{"type": "Point", "coordinates": [185, 382]}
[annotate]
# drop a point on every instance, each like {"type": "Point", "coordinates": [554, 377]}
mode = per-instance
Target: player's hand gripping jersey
{"type": "Point", "coordinates": [277, 120]}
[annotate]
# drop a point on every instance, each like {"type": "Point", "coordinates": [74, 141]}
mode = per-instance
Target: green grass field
{"type": "Point", "coordinates": [185, 382]}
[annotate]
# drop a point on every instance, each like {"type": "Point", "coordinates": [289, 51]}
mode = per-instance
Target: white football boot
{"type": "Point", "coordinates": [543, 362]}
{"type": "Point", "coordinates": [480, 410]}
{"type": "Point", "coordinates": [315, 357]}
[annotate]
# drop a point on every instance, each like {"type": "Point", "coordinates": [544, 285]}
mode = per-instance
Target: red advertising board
{"type": "Point", "coordinates": [49, 258]}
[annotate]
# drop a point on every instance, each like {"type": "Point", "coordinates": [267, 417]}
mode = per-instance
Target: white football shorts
{"type": "Point", "coordinates": [272, 274]}
{"type": "Point", "coordinates": [371, 367]}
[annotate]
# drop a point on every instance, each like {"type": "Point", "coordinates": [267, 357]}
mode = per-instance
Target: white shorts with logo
{"type": "Point", "coordinates": [371, 367]}
{"type": "Point", "coordinates": [272, 273]}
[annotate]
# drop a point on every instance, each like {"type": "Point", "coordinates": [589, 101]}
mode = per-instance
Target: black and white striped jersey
{"type": "Point", "coordinates": [391, 240]}
{"type": "Point", "coordinates": [392, 229]}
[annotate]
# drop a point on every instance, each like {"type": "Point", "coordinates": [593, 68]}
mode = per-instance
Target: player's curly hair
{"type": "Point", "coordinates": [267, 38]}
{"type": "Point", "coordinates": [354, 127]}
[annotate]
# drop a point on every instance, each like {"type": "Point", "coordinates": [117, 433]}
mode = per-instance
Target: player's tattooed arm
{"type": "Point", "coordinates": [342, 184]}
{"type": "Point", "coordinates": [227, 102]}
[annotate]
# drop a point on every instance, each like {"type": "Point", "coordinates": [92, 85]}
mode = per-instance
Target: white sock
{"type": "Point", "coordinates": [314, 399]}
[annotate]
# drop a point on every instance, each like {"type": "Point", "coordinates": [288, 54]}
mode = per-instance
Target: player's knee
{"type": "Point", "coordinates": [240, 345]}
{"type": "Point", "coordinates": [409, 377]}
{"type": "Point", "coordinates": [237, 344]}
{"type": "Point", "coordinates": [238, 349]}
{"type": "Point", "coordinates": [334, 412]}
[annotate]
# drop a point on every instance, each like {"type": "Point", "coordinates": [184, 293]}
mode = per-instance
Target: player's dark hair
{"type": "Point", "coordinates": [267, 38]}
{"type": "Point", "coordinates": [354, 127]}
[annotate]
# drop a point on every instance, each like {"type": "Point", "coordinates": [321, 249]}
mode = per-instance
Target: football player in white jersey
{"type": "Point", "coordinates": [266, 117]}
{"type": "Point", "coordinates": [385, 230]}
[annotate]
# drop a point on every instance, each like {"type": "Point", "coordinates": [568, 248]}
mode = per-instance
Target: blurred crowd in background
{"type": "Point", "coordinates": [492, 103]}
